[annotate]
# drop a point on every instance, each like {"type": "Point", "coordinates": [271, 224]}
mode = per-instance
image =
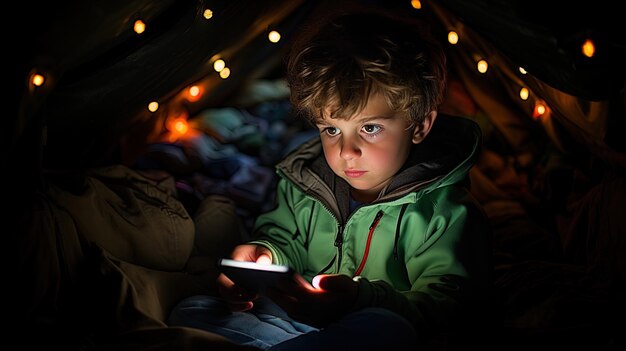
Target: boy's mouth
{"type": "Point", "coordinates": [353, 173]}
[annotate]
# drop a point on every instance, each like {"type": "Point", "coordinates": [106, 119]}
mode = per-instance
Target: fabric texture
{"type": "Point", "coordinates": [268, 327]}
{"type": "Point", "coordinates": [100, 266]}
{"type": "Point", "coordinates": [263, 326]}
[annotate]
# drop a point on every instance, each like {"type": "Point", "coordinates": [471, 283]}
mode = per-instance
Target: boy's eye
{"type": "Point", "coordinates": [371, 128]}
{"type": "Point", "coordinates": [332, 131]}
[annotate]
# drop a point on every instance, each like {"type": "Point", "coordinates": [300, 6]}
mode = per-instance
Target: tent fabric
{"type": "Point", "coordinates": [111, 285]}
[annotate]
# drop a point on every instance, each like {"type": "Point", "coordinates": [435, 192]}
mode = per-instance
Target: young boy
{"type": "Point", "coordinates": [374, 212]}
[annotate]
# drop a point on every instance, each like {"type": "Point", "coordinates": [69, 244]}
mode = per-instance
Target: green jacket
{"type": "Point", "coordinates": [423, 244]}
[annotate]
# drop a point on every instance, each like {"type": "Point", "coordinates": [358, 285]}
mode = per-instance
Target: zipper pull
{"type": "Point", "coordinates": [376, 219]}
{"type": "Point", "coordinates": [339, 237]}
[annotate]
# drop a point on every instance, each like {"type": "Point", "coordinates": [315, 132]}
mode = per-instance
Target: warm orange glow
{"type": "Point", "coordinates": [153, 106]}
{"type": "Point", "coordinates": [194, 90]}
{"type": "Point", "coordinates": [524, 93]}
{"type": "Point", "coordinates": [273, 36]}
{"type": "Point", "coordinates": [225, 73]}
{"type": "Point", "coordinates": [194, 93]}
{"type": "Point", "coordinates": [139, 27]}
{"type": "Point", "coordinates": [482, 66]}
{"type": "Point", "coordinates": [181, 126]}
{"type": "Point", "coordinates": [207, 14]}
{"type": "Point", "coordinates": [177, 125]}
{"type": "Point", "coordinates": [417, 4]}
{"type": "Point", "coordinates": [540, 109]}
{"type": "Point", "coordinates": [37, 79]}
{"type": "Point", "coordinates": [453, 37]}
{"type": "Point", "coordinates": [588, 48]}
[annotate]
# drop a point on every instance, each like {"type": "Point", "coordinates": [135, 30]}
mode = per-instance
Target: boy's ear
{"type": "Point", "coordinates": [421, 130]}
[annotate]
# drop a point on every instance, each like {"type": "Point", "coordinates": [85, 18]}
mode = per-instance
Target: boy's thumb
{"type": "Point", "coordinates": [333, 282]}
{"type": "Point", "coordinates": [263, 255]}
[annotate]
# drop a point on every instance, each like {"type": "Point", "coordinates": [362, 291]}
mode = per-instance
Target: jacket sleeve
{"type": "Point", "coordinates": [278, 229]}
{"type": "Point", "coordinates": [447, 266]}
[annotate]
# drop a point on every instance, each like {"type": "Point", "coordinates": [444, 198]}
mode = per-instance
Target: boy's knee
{"type": "Point", "coordinates": [196, 306]}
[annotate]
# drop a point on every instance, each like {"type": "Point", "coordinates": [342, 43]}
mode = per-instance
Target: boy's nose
{"type": "Point", "coordinates": [349, 149]}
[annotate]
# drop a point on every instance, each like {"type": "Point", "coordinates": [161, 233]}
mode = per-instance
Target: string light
{"type": "Point", "coordinates": [273, 36]}
{"type": "Point", "coordinates": [225, 73]}
{"type": "Point", "coordinates": [539, 110]}
{"type": "Point", "coordinates": [453, 37]}
{"type": "Point", "coordinates": [177, 125]}
{"type": "Point", "coordinates": [588, 48]}
{"type": "Point", "coordinates": [194, 93]}
{"type": "Point", "coordinates": [219, 65]}
{"type": "Point", "coordinates": [194, 90]}
{"type": "Point", "coordinates": [153, 106]}
{"type": "Point", "coordinates": [482, 66]}
{"type": "Point", "coordinates": [37, 79]}
{"type": "Point", "coordinates": [139, 27]}
{"type": "Point", "coordinates": [524, 93]}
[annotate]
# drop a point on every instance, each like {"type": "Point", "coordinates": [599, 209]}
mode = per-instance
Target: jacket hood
{"type": "Point", "coordinates": [443, 158]}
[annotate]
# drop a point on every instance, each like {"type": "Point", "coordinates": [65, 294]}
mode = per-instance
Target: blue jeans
{"type": "Point", "coordinates": [268, 327]}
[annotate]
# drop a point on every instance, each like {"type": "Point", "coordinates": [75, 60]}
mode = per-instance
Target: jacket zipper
{"type": "Point", "coordinates": [339, 244]}
{"type": "Point", "coordinates": [369, 241]}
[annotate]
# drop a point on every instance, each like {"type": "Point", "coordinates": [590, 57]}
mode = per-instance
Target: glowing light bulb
{"type": "Point", "coordinates": [588, 48]}
{"type": "Point", "coordinates": [153, 106]}
{"type": "Point", "coordinates": [273, 36]}
{"type": "Point", "coordinates": [194, 90]}
{"type": "Point", "coordinates": [139, 27]}
{"type": "Point", "coordinates": [181, 126]}
{"type": "Point", "coordinates": [523, 93]}
{"type": "Point", "coordinates": [225, 73]}
{"type": "Point", "coordinates": [482, 66]}
{"type": "Point", "coordinates": [522, 70]}
{"type": "Point", "coordinates": [219, 65]}
{"type": "Point", "coordinates": [539, 109]}
{"type": "Point", "coordinates": [37, 79]}
{"type": "Point", "coordinates": [416, 4]}
{"type": "Point", "coordinates": [207, 13]}
{"type": "Point", "coordinates": [453, 37]}
{"type": "Point", "coordinates": [194, 93]}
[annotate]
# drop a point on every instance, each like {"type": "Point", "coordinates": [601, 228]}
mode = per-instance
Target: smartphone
{"type": "Point", "coordinates": [253, 276]}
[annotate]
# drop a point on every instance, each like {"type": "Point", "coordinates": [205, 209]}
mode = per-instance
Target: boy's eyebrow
{"type": "Point", "coordinates": [371, 118]}
{"type": "Point", "coordinates": [363, 119]}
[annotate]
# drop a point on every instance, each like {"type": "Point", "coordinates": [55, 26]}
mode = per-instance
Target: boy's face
{"type": "Point", "coordinates": [368, 149]}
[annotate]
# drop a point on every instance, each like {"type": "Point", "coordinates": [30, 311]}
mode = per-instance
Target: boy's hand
{"type": "Point", "coordinates": [318, 306]}
{"type": "Point", "coordinates": [238, 298]}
